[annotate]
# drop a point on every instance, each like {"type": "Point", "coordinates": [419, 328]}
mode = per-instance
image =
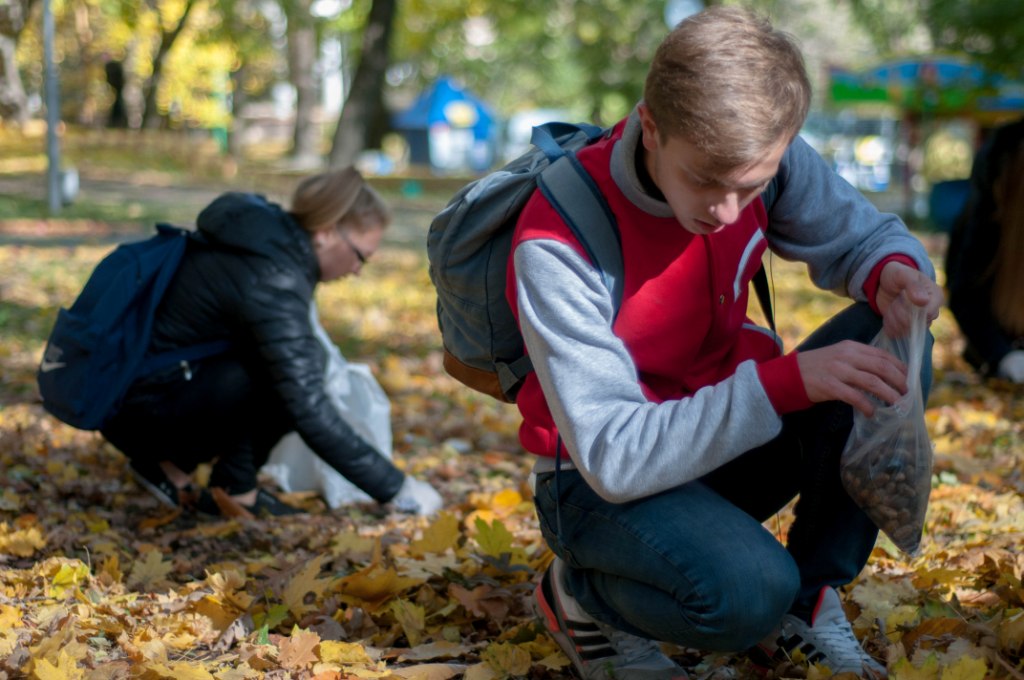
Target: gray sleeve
{"type": "Point", "coordinates": [625, 446]}
{"type": "Point", "coordinates": [820, 219]}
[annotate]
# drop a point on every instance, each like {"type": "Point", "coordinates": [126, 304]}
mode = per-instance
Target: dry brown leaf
{"type": "Point", "coordinates": [298, 651]}
{"type": "Point", "coordinates": [228, 506]}
{"type": "Point", "coordinates": [429, 671]}
{"type": "Point", "coordinates": [483, 601]}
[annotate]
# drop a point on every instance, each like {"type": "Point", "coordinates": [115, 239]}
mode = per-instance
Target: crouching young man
{"type": "Point", "coordinates": [668, 427]}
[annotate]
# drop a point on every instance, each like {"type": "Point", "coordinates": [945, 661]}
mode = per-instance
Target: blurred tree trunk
{"type": "Point", "coordinates": [152, 117]}
{"type": "Point", "coordinates": [364, 118]}
{"type": "Point", "coordinates": [13, 103]}
{"type": "Point", "coordinates": [118, 116]}
{"type": "Point", "coordinates": [302, 53]}
{"type": "Point", "coordinates": [239, 98]}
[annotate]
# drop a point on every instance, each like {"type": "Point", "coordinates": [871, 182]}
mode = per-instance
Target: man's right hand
{"type": "Point", "coordinates": [848, 369]}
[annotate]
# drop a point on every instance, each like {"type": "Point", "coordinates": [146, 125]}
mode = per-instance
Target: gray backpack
{"type": "Point", "coordinates": [468, 246]}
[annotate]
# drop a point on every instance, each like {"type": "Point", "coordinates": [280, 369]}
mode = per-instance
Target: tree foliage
{"type": "Point", "coordinates": [990, 33]}
{"type": "Point", "coordinates": [186, 62]}
{"type": "Point", "coordinates": [586, 56]}
{"type": "Point", "coordinates": [14, 15]}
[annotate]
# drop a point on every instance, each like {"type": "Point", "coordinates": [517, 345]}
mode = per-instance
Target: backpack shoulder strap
{"type": "Point", "coordinates": [575, 196]}
{"type": "Point", "coordinates": [764, 296]}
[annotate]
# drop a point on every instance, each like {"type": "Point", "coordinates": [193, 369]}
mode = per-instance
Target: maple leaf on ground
{"type": "Point", "coordinates": [438, 537]}
{"type": "Point", "coordinates": [343, 652]}
{"type": "Point", "coordinates": [240, 672]}
{"type": "Point", "coordinates": [298, 651]}
{"type": "Point", "coordinates": [495, 540]}
{"type": "Point", "coordinates": [441, 649]}
{"type": "Point", "coordinates": [429, 671]}
{"type": "Point", "coordinates": [481, 671]}
{"type": "Point", "coordinates": [411, 617]}
{"type": "Point", "coordinates": [64, 669]}
{"type": "Point", "coordinates": [484, 601]}
{"type": "Point", "coordinates": [507, 659]}
{"type": "Point", "coordinates": [68, 577]}
{"type": "Point", "coordinates": [353, 547]}
{"type": "Point", "coordinates": [229, 585]}
{"type": "Point", "coordinates": [150, 571]}
{"type": "Point", "coordinates": [20, 542]}
{"type": "Point", "coordinates": [183, 670]}
{"type": "Point", "coordinates": [304, 584]}
{"type": "Point", "coordinates": [375, 585]}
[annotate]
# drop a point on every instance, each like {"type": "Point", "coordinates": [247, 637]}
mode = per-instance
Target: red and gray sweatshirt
{"type": "Point", "coordinates": [677, 380]}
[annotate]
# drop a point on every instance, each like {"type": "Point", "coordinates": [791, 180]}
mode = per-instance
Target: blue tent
{"type": "Point", "coordinates": [448, 128]}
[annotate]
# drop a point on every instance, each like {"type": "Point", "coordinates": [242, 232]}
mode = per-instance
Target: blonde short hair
{"type": "Point", "coordinates": [336, 197]}
{"type": "Point", "coordinates": [729, 83]}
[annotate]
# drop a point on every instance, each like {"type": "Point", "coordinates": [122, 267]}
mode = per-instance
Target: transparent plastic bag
{"type": "Point", "coordinates": [886, 467]}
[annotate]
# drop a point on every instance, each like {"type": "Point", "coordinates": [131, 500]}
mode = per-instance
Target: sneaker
{"type": "Point", "coordinates": [598, 651]}
{"type": "Point", "coordinates": [829, 640]}
{"type": "Point", "coordinates": [152, 479]}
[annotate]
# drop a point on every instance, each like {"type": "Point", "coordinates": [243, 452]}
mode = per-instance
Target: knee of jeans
{"type": "Point", "coordinates": [749, 606]}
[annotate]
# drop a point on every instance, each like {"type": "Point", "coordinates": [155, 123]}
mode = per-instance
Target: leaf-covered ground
{"type": "Point", "coordinates": [99, 581]}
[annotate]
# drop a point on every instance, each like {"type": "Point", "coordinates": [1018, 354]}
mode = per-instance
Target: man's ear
{"type": "Point", "coordinates": [648, 128]}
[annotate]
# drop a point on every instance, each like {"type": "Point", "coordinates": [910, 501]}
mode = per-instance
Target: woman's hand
{"type": "Point", "coordinates": [417, 497]}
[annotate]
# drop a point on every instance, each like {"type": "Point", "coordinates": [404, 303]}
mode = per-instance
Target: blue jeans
{"type": "Point", "coordinates": [694, 565]}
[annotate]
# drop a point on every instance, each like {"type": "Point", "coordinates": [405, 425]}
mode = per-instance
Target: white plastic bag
{"type": "Point", "coordinates": [364, 406]}
{"type": "Point", "coordinates": [886, 466]}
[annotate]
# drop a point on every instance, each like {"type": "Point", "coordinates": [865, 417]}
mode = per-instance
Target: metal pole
{"type": "Point", "coordinates": [52, 113]}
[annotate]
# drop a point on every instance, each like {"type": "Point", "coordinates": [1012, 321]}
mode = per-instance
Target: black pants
{"type": "Point", "coordinates": [223, 412]}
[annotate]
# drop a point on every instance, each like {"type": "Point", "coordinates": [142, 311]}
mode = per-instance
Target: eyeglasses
{"type": "Point", "coordinates": [358, 253]}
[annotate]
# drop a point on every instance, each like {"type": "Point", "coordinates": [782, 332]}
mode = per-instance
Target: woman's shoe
{"type": "Point", "coordinates": [217, 502]}
{"type": "Point", "coordinates": [269, 504]}
{"type": "Point", "coordinates": [152, 479]}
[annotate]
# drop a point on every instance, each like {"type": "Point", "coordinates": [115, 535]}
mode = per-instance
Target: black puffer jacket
{"type": "Point", "coordinates": [252, 283]}
{"type": "Point", "coordinates": [973, 244]}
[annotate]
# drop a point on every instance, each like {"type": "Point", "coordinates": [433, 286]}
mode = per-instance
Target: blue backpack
{"type": "Point", "coordinates": [468, 246]}
{"type": "Point", "coordinates": [97, 348]}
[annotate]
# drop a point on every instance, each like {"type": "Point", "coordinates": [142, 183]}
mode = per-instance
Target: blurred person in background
{"type": "Point", "coordinates": [983, 262]}
{"type": "Point", "coordinates": [250, 281]}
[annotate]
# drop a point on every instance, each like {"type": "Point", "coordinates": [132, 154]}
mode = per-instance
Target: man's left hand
{"type": "Point", "coordinates": [921, 291]}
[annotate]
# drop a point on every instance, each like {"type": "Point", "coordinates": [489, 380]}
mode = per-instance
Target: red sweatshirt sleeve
{"type": "Point", "coordinates": [874, 278]}
{"type": "Point", "coordinates": [781, 377]}
{"type": "Point", "coordinates": [783, 383]}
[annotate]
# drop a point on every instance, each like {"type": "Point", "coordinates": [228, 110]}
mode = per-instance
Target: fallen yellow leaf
{"type": "Point", "coordinates": [429, 671]}
{"type": "Point", "coordinates": [149, 571]}
{"type": "Point", "coordinates": [303, 584]}
{"type": "Point", "coordinates": [438, 537]}
{"type": "Point", "coordinates": [65, 669]}
{"type": "Point", "coordinates": [20, 542]}
{"type": "Point", "coordinates": [332, 651]}
{"type": "Point", "coordinates": [507, 659]}
{"type": "Point", "coordinates": [375, 585]}
{"type": "Point", "coordinates": [10, 617]}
